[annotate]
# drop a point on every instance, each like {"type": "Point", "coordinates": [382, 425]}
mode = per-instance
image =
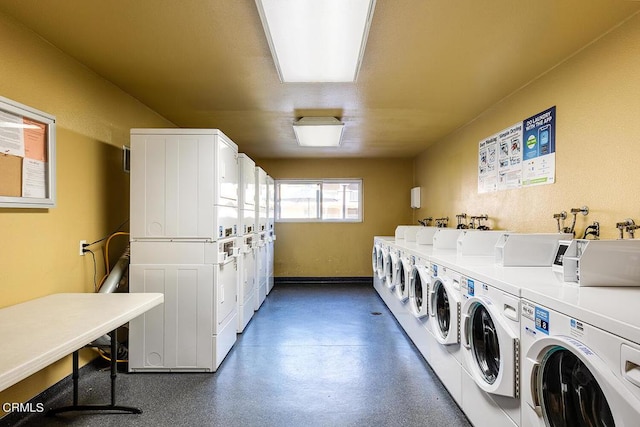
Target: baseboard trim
{"type": "Point", "coordinates": [368, 281]}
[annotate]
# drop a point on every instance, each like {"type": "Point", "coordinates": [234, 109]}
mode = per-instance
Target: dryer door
{"type": "Point", "coordinates": [492, 349]}
{"type": "Point", "coordinates": [419, 291]}
{"type": "Point", "coordinates": [445, 307]}
{"type": "Point", "coordinates": [570, 385]}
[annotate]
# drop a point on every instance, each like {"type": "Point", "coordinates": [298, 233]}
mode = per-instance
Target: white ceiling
{"type": "Point", "coordinates": [430, 66]}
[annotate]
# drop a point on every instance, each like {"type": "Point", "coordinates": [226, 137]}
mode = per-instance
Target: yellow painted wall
{"type": "Point", "coordinates": [39, 250]}
{"type": "Point", "coordinates": [597, 94]}
{"type": "Point", "coordinates": [341, 249]}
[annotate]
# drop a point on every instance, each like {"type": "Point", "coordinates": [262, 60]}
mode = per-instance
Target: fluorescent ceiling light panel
{"type": "Point", "coordinates": [318, 131]}
{"type": "Point", "coordinates": [316, 40]}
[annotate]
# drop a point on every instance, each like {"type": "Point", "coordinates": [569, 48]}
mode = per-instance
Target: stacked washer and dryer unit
{"type": "Point", "coordinates": [271, 232]}
{"type": "Point", "coordinates": [536, 347]}
{"type": "Point", "coordinates": [247, 289]}
{"type": "Point", "coordinates": [184, 221]}
{"type": "Point", "coordinates": [261, 236]}
{"type": "Point", "coordinates": [196, 208]}
{"type": "Point", "coordinates": [257, 248]}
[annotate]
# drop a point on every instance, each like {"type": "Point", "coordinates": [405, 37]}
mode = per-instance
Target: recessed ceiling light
{"type": "Point", "coordinates": [316, 41]}
{"type": "Point", "coordinates": [318, 131]}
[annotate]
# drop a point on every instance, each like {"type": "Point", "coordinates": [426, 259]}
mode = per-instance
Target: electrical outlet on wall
{"type": "Point", "coordinates": [82, 250]}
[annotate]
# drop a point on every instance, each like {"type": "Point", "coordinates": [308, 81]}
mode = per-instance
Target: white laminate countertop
{"type": "Point", "coordinates": [36, 333]}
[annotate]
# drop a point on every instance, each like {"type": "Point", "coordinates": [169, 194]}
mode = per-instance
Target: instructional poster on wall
{"type": "Point", "coordinates": [521, 155]}
{"type": "Point", "coordinates": [487, 171]}
{"type": "Point", "coordinates": [539, 161]}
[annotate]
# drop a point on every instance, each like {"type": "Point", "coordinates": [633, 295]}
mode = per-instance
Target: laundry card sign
{"type": "Point", "coordinates": [542, 320]}
{"type": "Point", "coordinates": [518, 156]}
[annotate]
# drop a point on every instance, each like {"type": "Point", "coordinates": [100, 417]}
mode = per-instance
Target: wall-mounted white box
{"type": "Point", "coordinates": [415, 198]}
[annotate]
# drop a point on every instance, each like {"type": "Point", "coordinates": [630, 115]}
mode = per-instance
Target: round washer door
{"type": "Point", "coordinates": [445, 308]}
{"type": "Point", "coordinates": [374, 259]}
{"type": "Point", "coordinates": [491, 347]}
{"type": "Point", "coordinates": [419, 291]}
{"type": "Point", "coordinates": [570, 385]}
{"type": "Point", "coordinates": [388, 270]}
{"type": "Point", "coordinates": [401, 288]}
{"type": "Point", "coordinates": [380, 264]}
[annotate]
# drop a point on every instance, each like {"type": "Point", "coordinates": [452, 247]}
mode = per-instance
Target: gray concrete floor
{"type": "Point", "coordinates": [311, 356]}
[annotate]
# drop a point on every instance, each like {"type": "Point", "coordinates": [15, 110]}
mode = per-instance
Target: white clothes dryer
{"type": "Point", "coordinates": [576, 374]}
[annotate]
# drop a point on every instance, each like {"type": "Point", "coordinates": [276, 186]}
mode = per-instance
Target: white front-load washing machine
{"type": "Point", "coordinates": [374, 257]}
{"type": "Point", "coordinates": [419, 284]}
{"type": "Point", "coordinates": [576, 373]}
{"type": "Point", "coordinates": [378, 264]}
{"type": "Point", "coordinates": [196, 328]}
{"type": "Point", "coordinates": [389, 254]}
{"type": "Point", "coordinates": [444, 310]}
{"type": "Point", "coordinates": [445, 304]}
{"type": "Point", "coordinates": [403, 269]}
{"type": "Point", "coordinates": [490, 321]}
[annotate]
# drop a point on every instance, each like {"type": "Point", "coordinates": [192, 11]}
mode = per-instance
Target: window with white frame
{"type": "Point", "coordinates": [318, 200]}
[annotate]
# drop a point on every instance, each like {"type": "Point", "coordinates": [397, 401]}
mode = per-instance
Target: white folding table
{"type": "Point", "coordinates": [36, 333]}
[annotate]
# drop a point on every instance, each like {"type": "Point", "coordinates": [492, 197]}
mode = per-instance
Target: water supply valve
{"type": "Point", "coordinates": [560, 217]}
{"type": "Point", "coordinates": [592, 230]}
{"type": "Point", "coordinates": [627, 225]}
{"type": "Point", "coordinates": [442, 222]}
{"type": "Point", "coordinates": [462, 225]}
{"type": "Point", "coordinates": [575, 211]}
{"type": "Point", "coordinates": [479, 218]}
{"type": "Point", "coordinates": [426, 221]}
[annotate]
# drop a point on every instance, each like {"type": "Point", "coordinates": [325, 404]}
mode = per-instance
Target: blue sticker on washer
{"type": "Point", "coordinates": [471, 288]}
{"type": "Point", "coordinates": [435, 270]}
{"type": "Point", "coordinates": [542, 320]}
{"type": "Point", "coordinates": [583, 348]}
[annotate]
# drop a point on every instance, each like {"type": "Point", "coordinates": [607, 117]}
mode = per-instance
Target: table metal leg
{"type": "Point", "coordinates": [103, 407]}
